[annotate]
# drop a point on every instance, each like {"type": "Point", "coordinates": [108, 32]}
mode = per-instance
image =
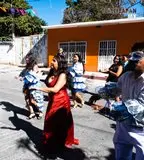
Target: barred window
{"type": "Point", "coordinates": [71, 48]}
{"type": "Point", "coordinates": [107, 50]}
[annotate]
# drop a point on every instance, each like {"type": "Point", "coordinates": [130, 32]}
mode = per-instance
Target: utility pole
{"type": "Point", "coordinates": [13, 25]}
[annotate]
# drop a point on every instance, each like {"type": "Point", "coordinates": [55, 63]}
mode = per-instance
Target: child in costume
{"type": "Point", "coordinates": [35, 97]}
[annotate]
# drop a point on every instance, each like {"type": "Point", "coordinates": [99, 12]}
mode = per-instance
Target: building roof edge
{"type": "Point", "coordinates": [96, 23]}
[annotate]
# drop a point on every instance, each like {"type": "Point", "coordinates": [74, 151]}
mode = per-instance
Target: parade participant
{"type": "Point", "coordinates": [28, 59]}
{"type": "Point", "coordinates": [58, 125]}
{"type": "Point", "coordinates": [60, 52]}
{"type": "Point", "coordinates": [115, 70]}
{"type": "Point", "coordinates": [125, 60]}
{"type": "Point", "coordinates": [78, 85]}
{"type": "Point", "coordinates": [130, 128]}
{"type": "Point", "coordinates": [34, 98]}
{"type": "Point", "coordinates": [24, 71]}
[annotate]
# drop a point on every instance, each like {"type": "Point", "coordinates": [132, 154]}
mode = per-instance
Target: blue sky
{"type": "Point", "coordinates": [52, 10]}
{"type": "Point", "coordinates": [140, 9]}
{"type": "Point", "coordinates": [49, 10]}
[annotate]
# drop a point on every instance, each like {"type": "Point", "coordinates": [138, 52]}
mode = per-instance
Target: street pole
{"type": "Point", "coordinates": [13, 25]}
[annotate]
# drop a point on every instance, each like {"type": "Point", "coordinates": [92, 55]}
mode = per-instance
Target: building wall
{"type": "Point", "coordinates": [14, 53]}
{"type": "Point", "coordinates": [125, 34]}
{"type": "Point", "coordinates": [7, 55]}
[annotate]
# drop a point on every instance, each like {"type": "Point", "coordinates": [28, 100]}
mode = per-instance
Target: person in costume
{"type": "Point", "coordinates": [34, 98]}
{"type": "Point", "coordinates": [78, 85]}
{"type": "Point", "coordinates": [58, 130]}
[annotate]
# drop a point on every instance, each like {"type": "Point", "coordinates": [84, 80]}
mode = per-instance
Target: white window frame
{"type": "Point", "coordinates": [105, 60]}
{"type": "Point", "coordinates": [107, 49]}
{"type": "Point", "coordinates": [68, 53]}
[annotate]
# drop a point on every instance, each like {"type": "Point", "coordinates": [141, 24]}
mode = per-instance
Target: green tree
{"type": "Point", "coordinates": [94, 10]}
{"type": "Point", "coordinates": [89, 10]}
{"type": "Point", "coordinates": [19, 25]}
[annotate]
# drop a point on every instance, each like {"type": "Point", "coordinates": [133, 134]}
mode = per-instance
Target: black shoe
{"type": "Point", "coordinates": [32, 115]}
{"type": "Point", "coordinates": [39, 115]}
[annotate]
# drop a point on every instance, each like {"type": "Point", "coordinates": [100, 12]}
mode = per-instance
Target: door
{"type": "Point", "coordinates": [107, 51]}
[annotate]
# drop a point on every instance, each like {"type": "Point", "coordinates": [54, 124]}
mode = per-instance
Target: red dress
{"type": "Point", "coordinates": [58, 126]}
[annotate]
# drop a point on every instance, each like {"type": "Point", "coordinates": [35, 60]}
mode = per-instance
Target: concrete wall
{"type": "Point", "coordinates": [14, 53]}
{"type": "Point", "coordinates": [7, 55]}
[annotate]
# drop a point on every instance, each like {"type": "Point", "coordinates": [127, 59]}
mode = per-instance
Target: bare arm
{"type": "Point", "coordinates": [118, 73]}
{"type": "Point", "coordinates": [60, 83]}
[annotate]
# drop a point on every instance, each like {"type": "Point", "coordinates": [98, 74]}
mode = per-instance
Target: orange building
{"type": "Point", "coordinates": [97, 41]}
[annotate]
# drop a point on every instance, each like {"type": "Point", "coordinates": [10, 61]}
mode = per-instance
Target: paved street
{"type": "Point", "coordinates": [19, 136]}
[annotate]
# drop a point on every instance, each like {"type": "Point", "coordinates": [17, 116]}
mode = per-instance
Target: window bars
{"type": "Point", "coordinates": [71, 48]}
{"type": "Point", "coordinates": [107, 51]}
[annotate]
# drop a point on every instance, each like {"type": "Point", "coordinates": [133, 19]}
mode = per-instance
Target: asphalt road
{"type": "Point", "coordinates": [18, 136]}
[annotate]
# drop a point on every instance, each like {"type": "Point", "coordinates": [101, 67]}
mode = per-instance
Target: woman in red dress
{"type": "Point", "coordinates": [58, 125]}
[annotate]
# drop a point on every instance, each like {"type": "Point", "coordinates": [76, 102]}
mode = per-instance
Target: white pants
{"type": "Point", "coordinates": [127, 137]}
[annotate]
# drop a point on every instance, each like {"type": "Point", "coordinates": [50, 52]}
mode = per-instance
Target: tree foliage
{"type": "Point", "coordinates": [89, 10]}
{"type": "Point", "coordinates": [21, 25]}
{"type": "Point", "coordinates": [94, 10]}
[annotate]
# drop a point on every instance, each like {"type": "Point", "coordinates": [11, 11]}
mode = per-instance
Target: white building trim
{"type": "Point", "coordinates": [96, 23]}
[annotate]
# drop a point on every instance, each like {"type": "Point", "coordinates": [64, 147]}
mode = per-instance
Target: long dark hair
{"type": "Point", "coordinates": [62, 66]}
{"type": "Point", "coordinates": [80, 60]}
{"type": "Point", "coordinates": [31, 63]}
{"type": "Point", "coordinates": [119, 60]}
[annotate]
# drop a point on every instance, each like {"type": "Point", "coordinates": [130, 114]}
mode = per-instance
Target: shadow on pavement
{"type": "Point", "coordinates": [111, 156]}
{"type": "Point", "coordinates": [113, 126]}
{"type": "Point", "coordinates": [33, 141]}
{"type": "Point", "coordinates": [10, 107]}
{"type": "Point", "coordinates": [73, 154]}
{"type": "Point", "coordinates": [112, 151]}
